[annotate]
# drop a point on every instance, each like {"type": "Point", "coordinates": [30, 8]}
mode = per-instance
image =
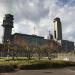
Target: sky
{"type": "Point", "coordinates": [39, 13]}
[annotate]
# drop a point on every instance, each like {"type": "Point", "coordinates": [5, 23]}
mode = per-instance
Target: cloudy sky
{"type": "Point", "coordinates": [40, 13]}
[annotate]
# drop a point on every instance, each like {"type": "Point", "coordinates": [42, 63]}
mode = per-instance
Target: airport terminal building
{"type": "Point", "coordinates": [33, 40]}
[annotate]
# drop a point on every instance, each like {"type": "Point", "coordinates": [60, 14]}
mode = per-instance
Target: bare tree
{"type": "Point", "coordinates": [51, 46]}
{"type": "Point", "coordinates": [22, 46]}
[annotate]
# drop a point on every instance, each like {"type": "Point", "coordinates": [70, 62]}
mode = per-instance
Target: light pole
{"type": "Point", "coordinates": [8, 43]}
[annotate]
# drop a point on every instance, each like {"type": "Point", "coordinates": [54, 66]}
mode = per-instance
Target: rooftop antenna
{"type": "Point", "coordinates": [34, 29]}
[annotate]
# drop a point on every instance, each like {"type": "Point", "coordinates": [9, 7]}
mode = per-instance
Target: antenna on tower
{"type": "Point", "coordinates": [33, 30]}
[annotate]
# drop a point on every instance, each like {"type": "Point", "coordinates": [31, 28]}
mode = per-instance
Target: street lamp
{"type": "Point", "coordinates": [8, 42]}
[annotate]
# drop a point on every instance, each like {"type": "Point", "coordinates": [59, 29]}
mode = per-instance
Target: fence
{"type": "Point", "coordinates": [64, 56]}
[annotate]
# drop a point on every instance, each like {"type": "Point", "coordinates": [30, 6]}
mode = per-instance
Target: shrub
{"type": "Point", "coordinates": [46, 64]}
{"type": "Point", "coordinates": [6, 68]}
{"type": "Point", "coordinates": [34, 64]}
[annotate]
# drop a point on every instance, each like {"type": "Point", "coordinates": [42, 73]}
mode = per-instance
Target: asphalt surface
{"type": "Point", "coordinates": [63, 71]}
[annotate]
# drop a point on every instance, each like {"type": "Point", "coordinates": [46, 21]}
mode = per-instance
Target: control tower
{"type": "Point", "coordinates": [7, 25]}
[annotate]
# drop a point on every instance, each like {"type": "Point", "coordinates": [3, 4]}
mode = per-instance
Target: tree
{"type": "Point", "coordinates": [1, 49]}
{"type": "Point", "coordinates": [39, 51]}
{"type": "Point", "coordinates": [51, 46]}
{"type": "Point", "coordinates": [22, 46]}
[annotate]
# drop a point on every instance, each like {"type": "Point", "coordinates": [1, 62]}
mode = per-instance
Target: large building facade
{"type": "Point", "coordinates": [32, 40]}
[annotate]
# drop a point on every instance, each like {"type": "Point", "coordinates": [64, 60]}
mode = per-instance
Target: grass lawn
{"type": "Point", "coordinates": [23, 63]}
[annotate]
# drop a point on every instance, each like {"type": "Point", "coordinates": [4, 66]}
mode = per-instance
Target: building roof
{"type": "Point", "coordinates": [21, 34]}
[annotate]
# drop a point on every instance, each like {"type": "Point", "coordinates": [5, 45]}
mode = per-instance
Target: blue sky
{"type": "Point", "coordinates": [65, 2]}
{"type": "Point", "coordinates": [40, 13]}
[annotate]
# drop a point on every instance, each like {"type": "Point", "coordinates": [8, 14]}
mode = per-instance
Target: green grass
{"type": "Point", "coordinates": [34, 63]}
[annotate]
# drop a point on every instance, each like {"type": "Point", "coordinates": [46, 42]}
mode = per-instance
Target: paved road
{"type": "Point", "coordinates": [64, 71]}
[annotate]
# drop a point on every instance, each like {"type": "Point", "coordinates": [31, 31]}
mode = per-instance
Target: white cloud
{"type": "Point", "coordinates": [40, 13]}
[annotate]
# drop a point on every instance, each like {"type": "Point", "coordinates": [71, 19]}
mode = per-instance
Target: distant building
{"type": "Point", "coordinates": [67, 46]}
{"type": "Point", "coordinates": [50, 36]}
{"type": "Point", "coordinates": [57, 29]}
